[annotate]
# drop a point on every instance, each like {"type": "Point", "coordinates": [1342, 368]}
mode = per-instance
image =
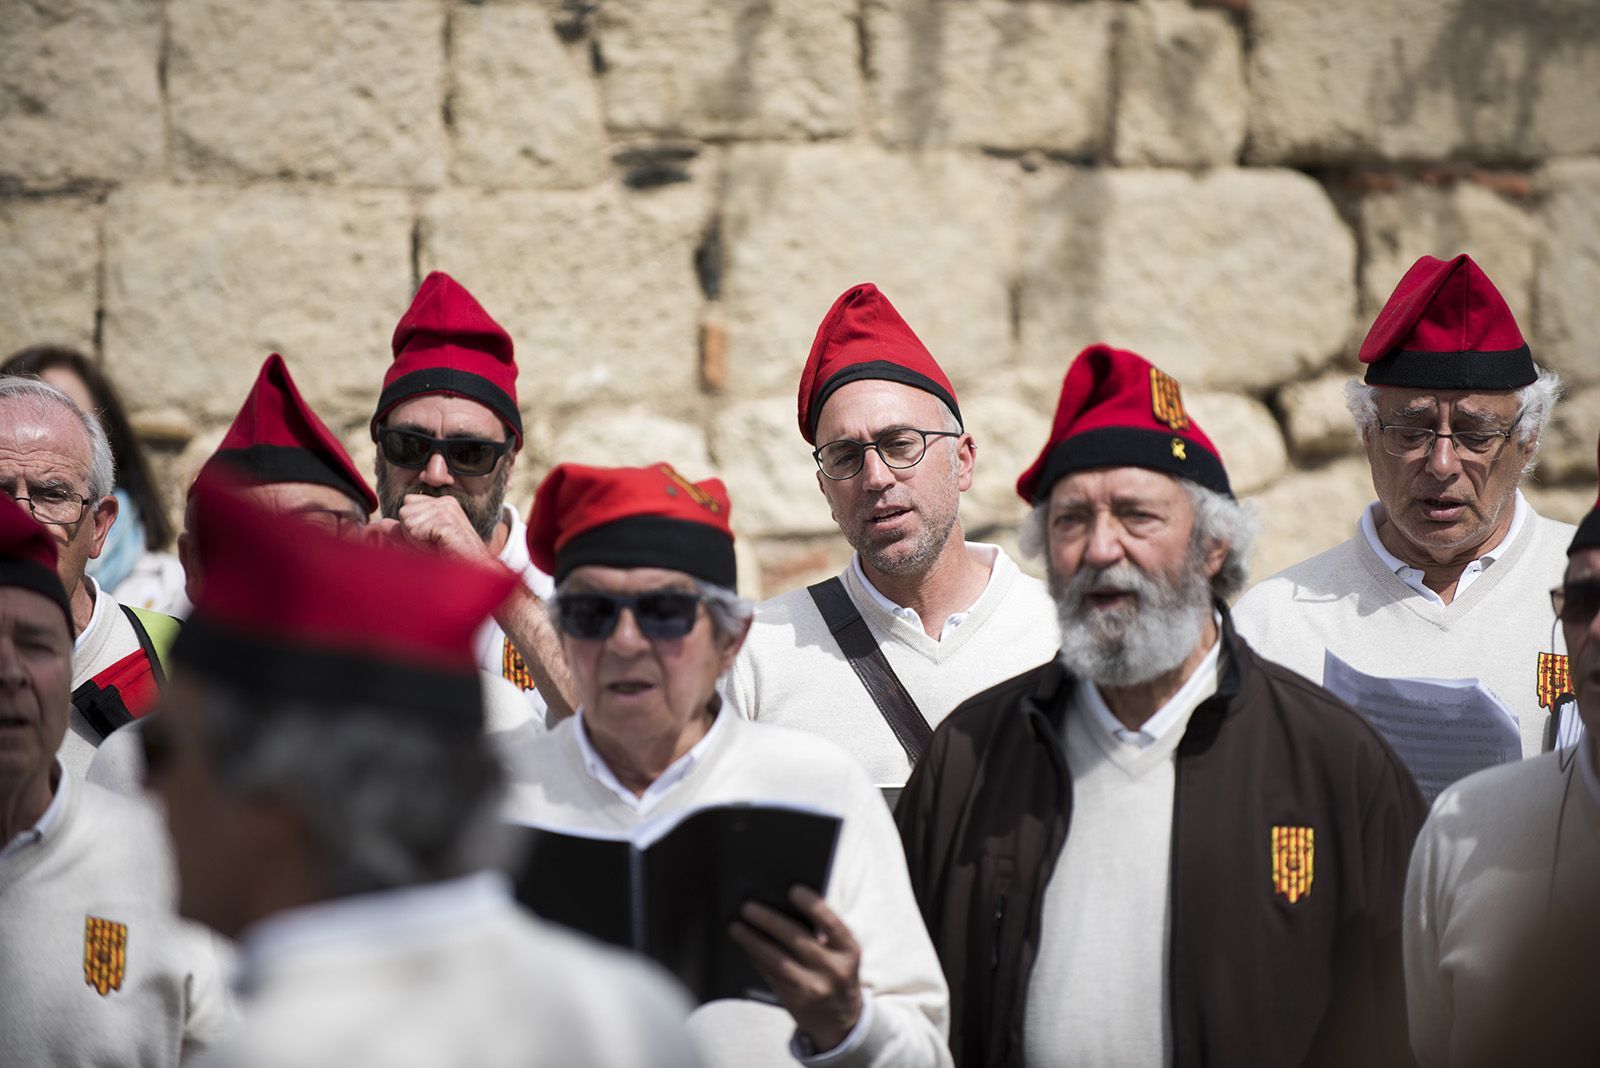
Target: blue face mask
{"type": "Point", "coordinates": [123, 545]}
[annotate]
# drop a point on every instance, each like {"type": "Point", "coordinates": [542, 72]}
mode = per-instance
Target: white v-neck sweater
{"type": "Point", "coordinates": [791, 672]}
{"type": "Point", "coordinates": [1348, 600]}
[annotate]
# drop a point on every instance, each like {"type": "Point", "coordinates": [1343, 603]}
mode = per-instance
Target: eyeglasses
{"type": "Point", "coordinates": [660, 614]}
{"type": "Point", "coordinates": [1410, 442]}
{"type": "Point", "coordinates": [59, 508]}
{"type": "Point", "coordinates": [1576, 603]}
{"type": "Point", "coordinates": [899, 449]}
{"type": "Point", "coordinates": [463, 456]}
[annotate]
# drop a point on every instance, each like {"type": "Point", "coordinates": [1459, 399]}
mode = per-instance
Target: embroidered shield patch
{"type": "Point", "coordinates": [1293, 861]}
{"type": "Point", "coordinates": [1555, 678]}
{"type": "Point", "coordinates": [1166, 401]}
{"type": "Point", "coordinates": [105, 953]}
{"type": "Point", "coordinates": [695, 493]}
{"type": "Point", "coordinates": [514, 669]}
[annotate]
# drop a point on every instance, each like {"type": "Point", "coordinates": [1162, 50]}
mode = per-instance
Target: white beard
{"type": "Point", "coordinates": [1122, 647]}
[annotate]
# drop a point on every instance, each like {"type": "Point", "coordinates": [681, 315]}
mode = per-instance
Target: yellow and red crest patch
{"type": "Point", "coordinates": [1166, 400]}
{"type": "Point", "coordinates": [105, 953]}
{"type": "Point", "coordinates": [1293, 861]}
{"type": "Point", "coordinates": [514, 669]}
{"type": "Point", "coordinates": [695, 493]}
{"type": "Point", "coordinates": [1555, 678]}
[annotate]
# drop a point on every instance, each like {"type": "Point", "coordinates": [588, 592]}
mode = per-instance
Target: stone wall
{"type": "Point", "coordinates": [660, 198]}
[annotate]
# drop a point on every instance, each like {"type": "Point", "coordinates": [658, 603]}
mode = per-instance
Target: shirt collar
{"type": "Point", "coordinates": [374, 918]}
{"type": "Point", "coordinates": [954, 620]}
{"type": "Point", "coordinates": [1201, 683]}
{"type": "Point", "coordinates": [1369, 530]}
{"type": "Point", "coordinates": [675, 773]}
{"type": "Point", "coordinates": [48, 821]}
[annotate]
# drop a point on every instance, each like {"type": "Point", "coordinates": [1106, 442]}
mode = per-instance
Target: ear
{"type": "Point", "coordinates": [966, 461]}
{"type": "Point", "coordinates": [1216, 556]}
{"type": "Point", "coordinates": [730, 651]}
{"type": "Point", "coordinates": [104, 512]}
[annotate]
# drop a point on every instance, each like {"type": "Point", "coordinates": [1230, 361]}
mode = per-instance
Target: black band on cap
{"type": "Point", "coordinates": [1588, 536]}
{"type": "Point", "coordinates": [890, 372]}
{"type": "Point", "coordinates": [1507, 369]}
{"type": "Point", "coordinates": [1133, 447]}
{"type": "Point", "coordinates": [274, 669]}
{"type": "Point", "coordinates": [654, 541]}
{"type": "Point", "coordinates": [449, 380]}
{"type": "Point", "coordinates": [290, 463]}
{"type": "Point", "coordinates": [41, 580]}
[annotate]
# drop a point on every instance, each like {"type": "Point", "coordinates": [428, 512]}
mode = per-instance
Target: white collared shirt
{"type": "Point", "coordinates": [47, 822]}
{"type": "Point", "coordinates": [1201, 683]}
{"type": "Point", "coordinates": [94, 618]}
{"type": "Point", "coordinates": [675, 772]}
{"type": "Point", "coordinates": [954, 620]}
{"type": "Point", "coordinates": [1413, 577]}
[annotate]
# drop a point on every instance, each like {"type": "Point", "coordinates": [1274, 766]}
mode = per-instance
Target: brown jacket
{"type": "Point", "coordinates": [1255, 979]}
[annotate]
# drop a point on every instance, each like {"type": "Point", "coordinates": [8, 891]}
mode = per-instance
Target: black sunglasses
{"type": "Point", "coordinates": [463, 456]}
{"type": "Point", "coordinates": [661, 615]}
{"type": "Point", "coordinates": [1576, 603]}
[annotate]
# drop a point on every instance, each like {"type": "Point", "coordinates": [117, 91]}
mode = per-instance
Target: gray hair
{"type": "Point", "coordinates": [389, 799]}
{"type": "Point", "coordinates": [1535, 401]}
{"type": "Point", "coordinates": [29, 390]}
{"type": "Point", "coordinates": [1217, 518]}
{"type": "Point", "coordinates": [729, 612]}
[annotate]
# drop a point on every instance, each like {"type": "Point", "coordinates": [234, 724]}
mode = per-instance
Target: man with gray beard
{"type": "Point", "coordinates": [1157, 848]}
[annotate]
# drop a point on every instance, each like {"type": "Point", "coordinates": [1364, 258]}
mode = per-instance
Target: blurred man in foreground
{"type": "Point", "coordinates": [330, 796]}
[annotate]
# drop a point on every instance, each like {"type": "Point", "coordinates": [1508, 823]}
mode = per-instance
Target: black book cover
{"type": "Point", "coordinates": [672, 887]}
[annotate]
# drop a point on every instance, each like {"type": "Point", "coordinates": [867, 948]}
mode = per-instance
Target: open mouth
{"type": "Point", "coordinates": [1108, 598]}
{"type": "Point", "coordinates": [887, 516]}
{"type": "Point", "coordinates": [1441, 508]}
{"type": "Point", "coordinates": [628, 687]}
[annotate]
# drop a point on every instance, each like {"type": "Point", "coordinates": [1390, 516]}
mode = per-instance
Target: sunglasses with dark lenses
{"type": "Point", "coordinates": [463, 456]}
{"type": "Point", "coordinates": [661, 615]}
{"type": "Point", "coordinates": [1577, 602]}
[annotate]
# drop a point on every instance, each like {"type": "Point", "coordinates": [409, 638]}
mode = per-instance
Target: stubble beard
{"type": "Point", "coordinates": [483, 512]}
{"type": "Point", "coordinates": [1127, 646]}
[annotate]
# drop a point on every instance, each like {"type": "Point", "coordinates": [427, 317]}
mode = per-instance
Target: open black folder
{"type": "Point", "coordinates": [671, 887]}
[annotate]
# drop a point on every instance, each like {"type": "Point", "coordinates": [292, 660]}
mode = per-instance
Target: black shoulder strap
{"type": "Point", "coordinates": [872, 667]}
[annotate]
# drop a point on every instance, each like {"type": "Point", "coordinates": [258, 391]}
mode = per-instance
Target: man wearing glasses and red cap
{"type": "Point", "coordinates": [1446, 572]}
{"type": "Point", "coordinates": [1501, 934]}
{"type": "Point", "coordinates": [448, 431]}
{"type": "Point", "coordinates": [922, 618]}
{"type": "Point", "coordinates": [95, 967]}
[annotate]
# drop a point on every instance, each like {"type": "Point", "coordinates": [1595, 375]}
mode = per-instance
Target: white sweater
{"type": "Point", "coordinates": [106, 860]}
{"type": "Point", "coordinates": [1483, 869]}
{"type": "Point", "coordinates": [791, 672]}
{"type": "Point", "coordinates": [1347, 600]}
{"type": "Point", "coordinates": [869, 888]}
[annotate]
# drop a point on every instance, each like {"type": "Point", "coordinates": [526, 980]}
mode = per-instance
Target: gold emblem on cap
{"type": "Point", "coordinates": [1166, 400]}
{"type": "Point", "coordinates": [1555, 678]}
{"type": "Point", "coordinates": [696, 494]}
{"type": "Point", "coordinates": [105, 953]}
{"type": "Point", "coordinates": [1293, 856]}
{"type": "Point", "coordinates": [1180, 450]}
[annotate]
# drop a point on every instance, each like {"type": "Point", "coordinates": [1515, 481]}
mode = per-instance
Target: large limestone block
{"type": "Point", "coordinates": [1422, 79]}
{"type": "Point", "coordinates": [993, 74]}
{"type": "Point", "coordinates": [731, 68]}
{"type": "Point", "coordinates": [802, 224]}
{"type": "Point", "coordinates": [1397, 227]}
{"type": "Point", "coordinates": [632, 436]}
{"type": "Point", "coordinates": [1307, 512]}
{"type": "Point", "coordinates": [80, 94]}
{"type": "Point", "coordinates": [49, 272]}
{"type": "Point", "coordinates": [1567, 452]}
{"type": "Point", "coordinates": [1008, 434]}
{"type": "Point", "coordinates": [1316, 420]}
{"type": "Point", "coordinates": [343, 90]}
{"type": "Point", "coordinates": [1232, 280]}
{"type": "Point", "coordinates": [203, 283]}
{"type": "Point", "coordinates": [597, 288]}
{"type": "Point", "coordinates": [1568, 328]}
{"type": "Point", "coordinates": [525, 108]}
{"type": "Point", "coordinates": [1182, 99]}
{"type": "Point", "coordinates": [771, 477]}
{"type": "Point", "coordinates": [1246, 435]}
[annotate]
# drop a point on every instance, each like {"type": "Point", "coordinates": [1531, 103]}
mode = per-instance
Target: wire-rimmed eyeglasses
{"type": "Point", "coordinates": [900, 448]}
{"type": "Point", "coordinates": [1410, 442]}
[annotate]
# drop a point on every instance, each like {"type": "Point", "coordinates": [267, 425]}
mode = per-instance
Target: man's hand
{"type": "Point", "coordinates": [439, 523]}
{"type": "Point", "coordinates": [817, 976]}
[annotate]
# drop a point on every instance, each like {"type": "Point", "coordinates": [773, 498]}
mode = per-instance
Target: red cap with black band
{"type": "Point", "coordinates": [1119, 410]}
{"type": "Point", "coordinates": [276, 437]}
{"type": "Point", "coordinates": [446, 343]}
{"type": "Point", "coordinates": [28, 556]}
{"type": "Point", "coordinates": [863, 336]}
{"type": "Point", "coordinates": [1446, 326]}
{"type": "Point", "coordinates": [631, 517]}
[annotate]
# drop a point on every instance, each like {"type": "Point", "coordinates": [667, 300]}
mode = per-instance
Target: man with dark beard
{"type": "Point", "coordinates": [920, 608]}
{"type": "Point", "coordinates": [1157, 848]}
{"type": "Point", "coordinates": [448, 431]}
